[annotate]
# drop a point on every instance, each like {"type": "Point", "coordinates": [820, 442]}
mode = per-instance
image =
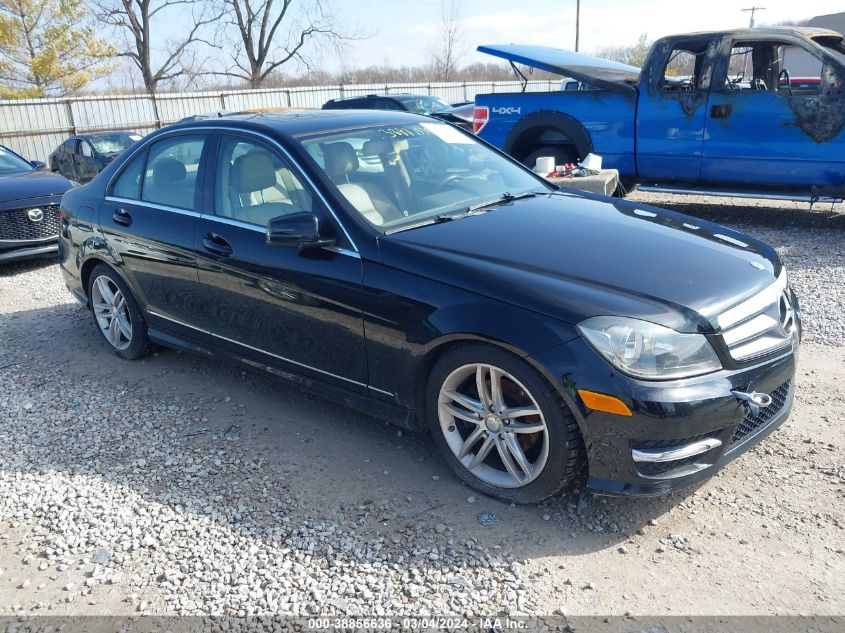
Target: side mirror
{"type": "Point", "coordinates": [296, 230]}
{"type": "Point", "coordinates": [38, 164]}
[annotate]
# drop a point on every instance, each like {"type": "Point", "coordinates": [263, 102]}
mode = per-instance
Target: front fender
{"type": "Point", "coordinates": [410, 321]}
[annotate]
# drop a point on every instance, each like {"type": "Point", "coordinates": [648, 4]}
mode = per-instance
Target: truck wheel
{"type": "Point", "coordinates": [563, 154]}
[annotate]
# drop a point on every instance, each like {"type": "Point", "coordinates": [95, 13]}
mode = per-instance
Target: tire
{"type": "Point", "coordinates": [562, 153]}
{"type": "Point", "coordinates": [553, 453]}
{"type": "Point", "coordinates": [117, 317]}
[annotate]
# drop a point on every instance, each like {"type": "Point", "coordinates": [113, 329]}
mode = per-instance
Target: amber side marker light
{"type": "Point", "coordinates": [601, 402]}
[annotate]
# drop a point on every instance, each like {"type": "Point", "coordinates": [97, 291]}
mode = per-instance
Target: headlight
{"type": "Point", "coordinates": [648, 350]}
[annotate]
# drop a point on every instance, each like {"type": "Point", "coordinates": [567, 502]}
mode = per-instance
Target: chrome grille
{"type": "Point", "coordinates": [16, 225]}
{"type": "Point", "coordinates": [752, 424]}
{"type": "Point", "coordinates": [762, 324]}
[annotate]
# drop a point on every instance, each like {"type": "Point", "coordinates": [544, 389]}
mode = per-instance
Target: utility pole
{"type": "Point", "coordinates": [577, 22]}
{"type": "Point", "coordinates": [752, 11]}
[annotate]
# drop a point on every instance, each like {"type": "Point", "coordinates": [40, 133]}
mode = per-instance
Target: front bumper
{"type": "Point", "coordinates": [681, 432]}
{"type": "Point", "coordinates": [12, 252]}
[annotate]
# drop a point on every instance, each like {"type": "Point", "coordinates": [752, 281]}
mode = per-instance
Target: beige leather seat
{"type": "Point", "coordinates": [341, 159]}
{"type": "Point", "coordinates": [253, 175]}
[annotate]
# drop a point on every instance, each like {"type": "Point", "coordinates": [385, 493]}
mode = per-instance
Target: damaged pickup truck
{"type": "Point", "coordinates": [715, 113]}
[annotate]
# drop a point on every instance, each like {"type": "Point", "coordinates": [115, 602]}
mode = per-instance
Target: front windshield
{"type": "Point", "coordinates": [396, 176]}
{"type": "Point", "coordinates": [11, 163]}
{"type": "Point", "coordinates": [112, 143]}
{"type": "Point", "coordinates": [424, 105]}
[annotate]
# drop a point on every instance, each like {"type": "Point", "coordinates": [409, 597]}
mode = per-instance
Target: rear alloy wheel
{"type": "Point", "coordinates": [501, 427]}
{"type": "Point", "coordinates": [116, 314]}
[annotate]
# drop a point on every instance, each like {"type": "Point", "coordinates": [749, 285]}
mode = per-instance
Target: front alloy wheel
{"type": "Point", "coordinates": [493, 425]}
{"type": "Point", "coordinates": [500, 425]}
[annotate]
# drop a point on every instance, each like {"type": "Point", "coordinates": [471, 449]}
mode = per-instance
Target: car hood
{"type": "Point", "coordinates": [573, 256]}
{"type": "Point", "coordinates": [33, 184]}
{"type": "Point", "coordinates": [596, 71]}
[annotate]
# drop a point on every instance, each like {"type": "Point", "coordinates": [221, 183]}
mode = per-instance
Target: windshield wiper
{"type": "Point", "coordinates": [466, 211]}
{"type": "Point", "coordinates": [505, 197]}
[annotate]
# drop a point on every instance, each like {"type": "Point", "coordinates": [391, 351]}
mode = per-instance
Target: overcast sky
{"type": "Point", "coordinates": [406, 29]}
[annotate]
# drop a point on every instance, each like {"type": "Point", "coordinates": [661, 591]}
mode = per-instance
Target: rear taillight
{"type": "Point", "coordinates": [480, 116]}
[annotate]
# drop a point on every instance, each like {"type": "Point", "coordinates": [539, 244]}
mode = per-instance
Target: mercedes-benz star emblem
{"type": "Point", "coordinates": [35, 215]}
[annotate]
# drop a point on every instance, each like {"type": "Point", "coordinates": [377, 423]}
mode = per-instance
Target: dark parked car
{"type": "Point", "coordinates": [29, 207]}
{"type": "Point", "coordinates": [400, 265]}
{"type": "Point", "coordinates": [460, 115]}
{"type": "Point", "coordinates": [82, 157]}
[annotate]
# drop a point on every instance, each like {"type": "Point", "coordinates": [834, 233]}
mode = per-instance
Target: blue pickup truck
{"type": "Point", "coordinates": [755, 112]}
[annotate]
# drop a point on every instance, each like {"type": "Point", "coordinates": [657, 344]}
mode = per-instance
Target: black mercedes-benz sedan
{"type": "Point", "coordinates": [29, 208]}
{"type": "Point", "coordinates": [402, 266]}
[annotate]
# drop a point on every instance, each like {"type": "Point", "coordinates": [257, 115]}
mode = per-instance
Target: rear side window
{"type": "Point", "coordinates": [128, 185]}
{"type": "Point", "coordinates": [172, 170]}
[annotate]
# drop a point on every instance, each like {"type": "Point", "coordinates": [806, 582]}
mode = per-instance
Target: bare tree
{"type": "Point", "coordinates": [271, 33]}
{"type": "Point", "coordinates": [139, 20]}
{"type": "Point", "coordinates": [450, 48]}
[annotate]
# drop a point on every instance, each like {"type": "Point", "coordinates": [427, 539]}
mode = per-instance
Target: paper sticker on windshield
{"type": "Point", "coordinates": [447, 133]}
{"type": "Point", "coordinates": [135, 137]}
{"type": "Point", "coordinates": [406, 131]}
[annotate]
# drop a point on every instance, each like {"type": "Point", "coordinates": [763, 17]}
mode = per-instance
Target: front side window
{"type": "Point", "coordinates": [172, 170]}
{"type": "Point", "coordinates": [398, 175]}
{"type": "Point", "coordinates": [85, 149]}
{"type": "Point", "coordinates": [773, 67]}
{"type": "Point", "coordinates": [255, 184]}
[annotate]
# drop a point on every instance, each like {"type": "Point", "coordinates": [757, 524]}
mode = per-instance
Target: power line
{"type": "Point", "coordinates": [752, 10]}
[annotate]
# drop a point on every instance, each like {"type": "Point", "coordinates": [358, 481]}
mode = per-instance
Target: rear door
{"type": "Point", "coordinates": [671, 109]}
{"type": "Point", "coordinates": [763, 129]}
{"type": "Point", "coordinates": [299, 311]}
{"type": "Point", "coordinates": [149, 218]}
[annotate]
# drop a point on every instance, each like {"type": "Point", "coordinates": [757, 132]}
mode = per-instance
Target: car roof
{"type": "Point", "coordinates": [305, 123]}
{"type": "Point", "coordinates": [761, 33]}
{"type": "Point", "coordinates": [392, 95]}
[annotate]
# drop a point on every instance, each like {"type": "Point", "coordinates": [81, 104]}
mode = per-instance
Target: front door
{"type": "Point", "coordinates": [671, 110]}
{"type": "Point", "coordinates": [296, 310]}
{"type": "Point", "coordinates": [149, 217]}
{"type": "Point", "coordinates": [775, 117]}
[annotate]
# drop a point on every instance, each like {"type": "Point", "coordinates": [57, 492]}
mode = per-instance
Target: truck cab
{"type": "Point", "coordinates": [756, 111]}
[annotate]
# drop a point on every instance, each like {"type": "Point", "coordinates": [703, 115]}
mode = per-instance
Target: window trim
{"type": "Point", "coordinates": [213, 131]}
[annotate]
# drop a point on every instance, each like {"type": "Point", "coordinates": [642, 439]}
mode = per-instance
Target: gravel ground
{"type": "Point", "coordinates": [181, 485]}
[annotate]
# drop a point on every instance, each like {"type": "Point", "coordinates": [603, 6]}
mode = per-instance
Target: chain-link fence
{"type": "Point", "coordinates": [34, 128]}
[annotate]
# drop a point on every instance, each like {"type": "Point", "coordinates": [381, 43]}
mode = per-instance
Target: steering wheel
{"type": "Point", "coordinates": [734, 83]}
{"type": "Point", "coordinates": [451, 181]}
{"type": "Point", "coordinates": [785, 74]}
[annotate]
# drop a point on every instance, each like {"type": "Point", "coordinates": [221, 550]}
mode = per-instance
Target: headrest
{"type": "Point", "coordinates": [167, 171]}
{"type": "Point", "coordinates": [340, 159]}
{"type": "Point", "coordinates": [253, 172]}
{"type": "Point", "coordinates": [379, 147]}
